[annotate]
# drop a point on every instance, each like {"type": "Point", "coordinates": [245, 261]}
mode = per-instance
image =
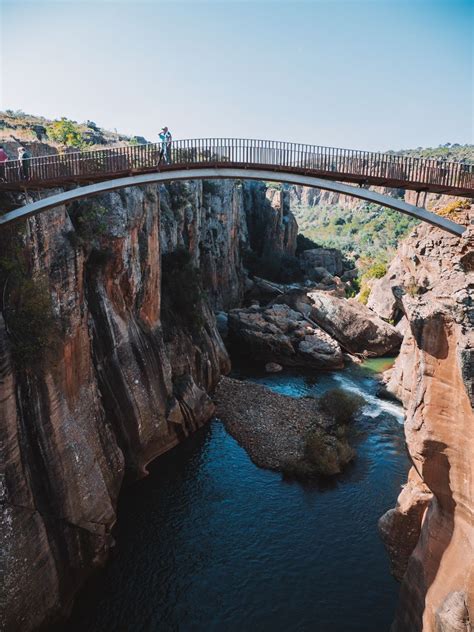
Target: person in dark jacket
{"type": "Point", "coordinates": [24, 156]}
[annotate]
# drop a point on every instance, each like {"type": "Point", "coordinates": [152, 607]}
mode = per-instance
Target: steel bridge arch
{"type": "Point", "coordinates": [207, 173]}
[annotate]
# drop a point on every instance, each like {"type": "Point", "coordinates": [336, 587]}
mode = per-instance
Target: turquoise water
{"type": "Point", "coordinates": [209, 542]}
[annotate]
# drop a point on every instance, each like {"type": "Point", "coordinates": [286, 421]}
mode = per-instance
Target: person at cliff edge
{"type": "Point", "coordinates": [166, 138]}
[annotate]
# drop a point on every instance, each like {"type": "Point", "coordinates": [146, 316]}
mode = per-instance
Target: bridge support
{"type": "Point", "coordinates": [208, 173]}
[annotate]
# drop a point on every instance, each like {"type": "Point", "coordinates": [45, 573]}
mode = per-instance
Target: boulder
{"type": "Point", "coordinates": [328, 258]}
{"type": "Point", "coordinates": [353, 325]}
{"type": "Point", "coordinates": [384, 297]}
{"type": "Point", "coordinates": [282, 335]}
{"type": "Point", "coordinates": [273, 367]}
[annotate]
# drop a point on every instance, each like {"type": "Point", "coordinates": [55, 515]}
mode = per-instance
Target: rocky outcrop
{"type": "Point", "coordinates": [430, 533]}
{"type": "Point", "coordinates": [271, 226]}
{"type": "Point", "coordinates": [352, 324]}
{"type": "Point", "coordinates": [127, 374]}
{"type": "Point", "coordinates": [208, 219]}
{"type": "Point", "coordinates": [280, 334]}
{"type": "Point", "coordinates": [116, 395]}
{"type": "Point", "coordinates": [329, 259]}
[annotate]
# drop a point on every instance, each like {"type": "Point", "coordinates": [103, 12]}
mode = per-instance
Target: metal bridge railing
{"type": "Point", "coordinates": [326, 161]}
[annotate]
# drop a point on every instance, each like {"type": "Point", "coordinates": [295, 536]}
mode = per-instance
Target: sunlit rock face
{"type": "Point", "coordinates": [353, 325]}
{"type": "Point", "coordinates": [126, 381]}
{"type": "Point", "coordinates": [430, 534]}
{"type": "Point", "coordinates": [279, 334]}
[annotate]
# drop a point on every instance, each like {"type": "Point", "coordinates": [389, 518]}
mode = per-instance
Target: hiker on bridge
{"type": "Point", "coordinates": [166, 139]}
{"type": "Point", "coordinates": [24, 156]}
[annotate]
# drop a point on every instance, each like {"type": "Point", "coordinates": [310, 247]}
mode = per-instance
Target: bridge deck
{"type": "Point", "coordinates": [360, 167]}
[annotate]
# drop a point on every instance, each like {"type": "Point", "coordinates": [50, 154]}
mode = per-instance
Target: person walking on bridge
{"type": "Point", "coordinates": [166, 139]}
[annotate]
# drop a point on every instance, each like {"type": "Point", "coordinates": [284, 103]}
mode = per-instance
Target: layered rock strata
{"type": "Point", "coordinates": [125, 376]}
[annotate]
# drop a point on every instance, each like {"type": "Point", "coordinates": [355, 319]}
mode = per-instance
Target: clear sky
{"type": "Point", "coordinates": [369, 74]}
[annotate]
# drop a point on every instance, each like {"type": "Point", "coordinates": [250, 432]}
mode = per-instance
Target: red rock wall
{"type": "Point", "coordinates": [122, 385]}
{"type": "Point", "coordinates": [430, 534]}
{"type": "Point", "coordinates": [115, 396]}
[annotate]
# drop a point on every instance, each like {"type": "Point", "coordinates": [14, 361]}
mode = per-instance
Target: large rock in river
{"type": "Point", "coordinates": [280, 334]}
{"type": "Point", "coordinates": [353, 325]}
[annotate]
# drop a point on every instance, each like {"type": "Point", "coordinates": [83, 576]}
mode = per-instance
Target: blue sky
{"type": "Point", "coordinates": [371, 74]}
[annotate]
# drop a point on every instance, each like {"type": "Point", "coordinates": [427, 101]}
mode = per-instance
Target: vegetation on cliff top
{"type": "Point", "coordinates": [16, 125]}
{"type": "Point", "coordinates": [365, 230]}
{"type": "Point", "coordinates": [448, 151]}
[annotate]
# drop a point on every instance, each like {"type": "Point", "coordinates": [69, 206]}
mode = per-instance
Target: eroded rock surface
{"type": "Point", "coordinates": [433, 376]}
{"type": "Point", "coordinates": [353, 325]}
{"type": "Point", "coordinates": [129, 379]}
{"type": "Point", "coordinates": [281, 334]}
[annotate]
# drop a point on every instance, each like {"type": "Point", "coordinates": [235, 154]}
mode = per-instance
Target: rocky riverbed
{"type": "Point", "coordinates": [300, 437]}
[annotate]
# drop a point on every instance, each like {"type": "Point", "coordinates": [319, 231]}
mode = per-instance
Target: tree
{"type": "Point", "coordinates": [65, 132]}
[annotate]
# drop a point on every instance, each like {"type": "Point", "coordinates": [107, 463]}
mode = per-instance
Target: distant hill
{"type": "Point", "coordinates": [362, 229]}
{"type": "Point", "coordinates": [366, 230]}
{"type": "Point", "coordinates": [452, 152]}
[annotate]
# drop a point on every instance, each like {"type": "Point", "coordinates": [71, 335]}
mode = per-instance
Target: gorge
{"type": "Point", "coordinates": [120, 365]}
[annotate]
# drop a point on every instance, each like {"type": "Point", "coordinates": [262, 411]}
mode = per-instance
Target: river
{"type": "Point", "coordinates": [210, 542]}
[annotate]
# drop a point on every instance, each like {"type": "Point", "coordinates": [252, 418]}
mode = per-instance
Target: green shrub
{"type": "Point", "coordinates": [341, 405]}
{"type": "Point", "coordinates": [451, 210]}
{"type": "Point", "coordinates": [90, 222]}
{"type": "Point", "coordinates": [65, 132]}
{"type": "Point", "coordinates": [376, 271]}
{"type": "Point", "coordinates": [324, 455]}
{"type": "Point", "coordinates": [364, 293]}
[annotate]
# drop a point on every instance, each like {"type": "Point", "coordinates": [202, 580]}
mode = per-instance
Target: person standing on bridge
{"type": "Point", "coordinates": [24, 156]}
{"type": "Point", "coordinates": [166, 139]}
{"type": "Point", "coordinates": [3, 160]}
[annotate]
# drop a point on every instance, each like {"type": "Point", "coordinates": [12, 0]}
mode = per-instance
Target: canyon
{"type": "Point", "coordinates": [131, 353]}
{"type": "Point", "coordinates": [130, 373]}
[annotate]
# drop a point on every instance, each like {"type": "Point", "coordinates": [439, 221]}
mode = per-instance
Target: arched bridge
{"type": "Point", "coordinates": [102, 170]}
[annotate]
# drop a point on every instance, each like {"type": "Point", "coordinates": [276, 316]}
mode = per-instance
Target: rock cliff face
{"type": "Point", "coordinates": [430, 533]}
{"type": "Point", "coordinates": [127, 375]}
{"type": "Point", "coordinates": [273, 228]}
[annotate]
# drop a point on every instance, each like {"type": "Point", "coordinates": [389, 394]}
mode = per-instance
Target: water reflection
{"type": "Point", "coordinates": [211, 542]}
